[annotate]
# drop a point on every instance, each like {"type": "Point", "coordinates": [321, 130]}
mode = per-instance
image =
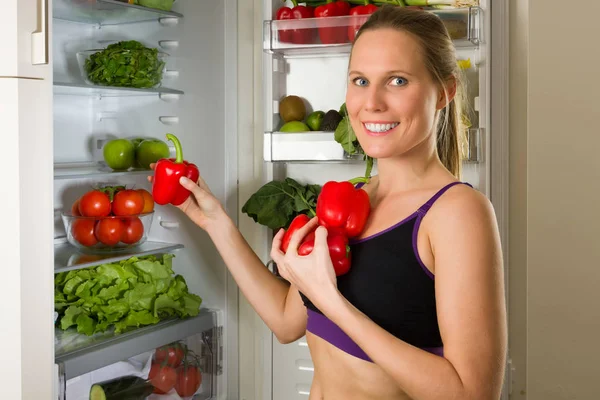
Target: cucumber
{"type": "Point", "coordinates": [97, 393]}
{"type": "Point", "coordinates": [122, 388]}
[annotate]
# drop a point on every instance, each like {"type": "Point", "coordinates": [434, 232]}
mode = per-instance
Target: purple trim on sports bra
{"type": "Point", "coordinates": [321, 326]}
{"type": "Point", "coordinates": [421, 213]}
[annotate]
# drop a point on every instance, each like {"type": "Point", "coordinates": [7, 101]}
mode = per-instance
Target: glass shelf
{"type": "Point", "coordinates": [106, 12]}
{"type": "Point", "coordinates": [66, 257]}
{"type": "Point", "coordinates": [79, 354]}
{"type": "Point", "coordinates": [83, 89]}
{"type": "Point", "coordinates": [88, 170]}
{"type": "Point", "coordinates": [283, 36]}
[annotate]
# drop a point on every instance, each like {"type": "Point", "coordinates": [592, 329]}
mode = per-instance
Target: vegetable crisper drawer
{"type": "Point", "coordinates": [174, 359]}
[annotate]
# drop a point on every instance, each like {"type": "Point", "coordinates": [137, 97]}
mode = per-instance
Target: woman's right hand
{"type": "Point", "coordinates": [201, 206]}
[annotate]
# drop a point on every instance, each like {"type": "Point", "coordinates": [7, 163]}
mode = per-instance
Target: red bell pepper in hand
{"type": "Point", "coordinates": [342, 207]}
{"type": "Point", "coordinates": [297, 223]}
{"type": "Point", "coordinates": [166, 187]}
{"type": "Point", "coordinates": [332, 34]}
{"type": "Point", "coordinates": [339, 250]}
{"type": "Point", "coordinates": [360, 16]}
{"type": "Point", "coordinates": [296, 36]}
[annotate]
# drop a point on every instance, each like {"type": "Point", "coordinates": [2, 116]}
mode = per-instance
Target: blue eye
{"type": "Point", "coordinates": [399, 81]}
{"type": "Point", "coordinates": [360, 81]}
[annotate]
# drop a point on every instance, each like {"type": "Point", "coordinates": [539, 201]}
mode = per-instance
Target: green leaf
{"type": "Point", "coordinates": [277, 203]}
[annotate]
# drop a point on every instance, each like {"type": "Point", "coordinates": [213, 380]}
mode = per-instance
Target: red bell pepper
{"type": "Point", "coordinates": [296, 36]}
{"type": "Point", "coordinates": [342, 207]}
{"type": "Point", "coordinates": [332, 34]}
{"type": "Point", "coordinates": [359, 14]}
{"type": "Point", "coordinates": [297, 223]}
{"type": "Point", "coordinates": [339, 250]}
{"type": "Point", "coordinates": [166, 187]}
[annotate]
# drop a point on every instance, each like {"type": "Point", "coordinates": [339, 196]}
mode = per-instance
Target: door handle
{"type": "Point", "coordinates": [39, 39]}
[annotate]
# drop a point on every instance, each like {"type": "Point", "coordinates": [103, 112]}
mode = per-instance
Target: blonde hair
{"type": "Point", "coordinates": [440, 60]}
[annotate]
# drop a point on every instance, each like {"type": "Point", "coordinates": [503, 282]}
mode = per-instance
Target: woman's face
{"type": "Point", "coordinates": [391, 97]}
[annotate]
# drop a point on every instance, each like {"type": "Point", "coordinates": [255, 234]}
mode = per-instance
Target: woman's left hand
{"type": "Point", "coordinates": [313, 274]}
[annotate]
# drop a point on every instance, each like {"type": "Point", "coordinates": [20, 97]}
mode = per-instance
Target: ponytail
{"type": "Point", "coordinates": [450, 135]}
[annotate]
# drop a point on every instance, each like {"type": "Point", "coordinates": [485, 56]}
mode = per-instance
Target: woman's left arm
{"type": "Point", "coordinates": [470, 305]}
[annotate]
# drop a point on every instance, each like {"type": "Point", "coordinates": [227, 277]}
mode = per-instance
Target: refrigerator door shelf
{"type": "Point", "coordinates": [297, 37]}
{"type": "Point", "coordinates": [82, 89]}
{"type": "Point", "coordinates": [78, 354]}
{"type": "Point", "coordinates": [107, 12]}
{"type": "Point", "coordinates": [67, 258]}
{"type": "Point", "coordinates": [305, 146]}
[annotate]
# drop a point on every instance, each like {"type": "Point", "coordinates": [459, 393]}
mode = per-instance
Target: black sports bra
{"type": "Point", "coordinates": [389, 283]}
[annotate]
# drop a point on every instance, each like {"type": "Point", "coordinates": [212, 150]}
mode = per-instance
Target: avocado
{"type": "Point", "coordinates": [331, 120]}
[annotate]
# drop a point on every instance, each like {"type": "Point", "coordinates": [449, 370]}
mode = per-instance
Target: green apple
{"type": "Point", "coordinates": [150, 151]}
{"type": "Point", "coordinates": [119, 154]}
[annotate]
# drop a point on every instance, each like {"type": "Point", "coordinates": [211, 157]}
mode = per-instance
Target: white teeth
{"type": "Point", "coordinates": [381, 127]}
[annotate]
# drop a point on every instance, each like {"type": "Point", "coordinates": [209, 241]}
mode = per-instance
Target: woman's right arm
{"type": "Point", "coordinates": [277, 302]}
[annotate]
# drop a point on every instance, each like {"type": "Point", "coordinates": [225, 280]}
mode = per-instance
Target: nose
{"type": "Point", "coordinates": [375, 100]}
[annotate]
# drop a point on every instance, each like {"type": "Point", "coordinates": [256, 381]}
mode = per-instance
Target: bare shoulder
{"type": "Point", "coordinates": [463, 206]}
{"type": "Point", "coordinates": [463, 218]}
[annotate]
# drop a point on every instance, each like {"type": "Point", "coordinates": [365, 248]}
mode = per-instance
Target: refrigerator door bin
{"type": "Point", "coordinates": [304, 36]}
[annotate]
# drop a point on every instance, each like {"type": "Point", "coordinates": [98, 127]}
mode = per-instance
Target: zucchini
{"type": "Point", "coordinates": [122, 388]}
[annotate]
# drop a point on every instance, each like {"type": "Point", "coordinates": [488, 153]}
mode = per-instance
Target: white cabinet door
{"type": "Point", "coordinates": [25, 44]}
{"type": "Point", "coordinates": [26, 239]}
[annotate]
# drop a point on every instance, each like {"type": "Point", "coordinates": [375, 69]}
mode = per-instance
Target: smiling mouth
{"type": "Point", "coordinates": [379, 129]}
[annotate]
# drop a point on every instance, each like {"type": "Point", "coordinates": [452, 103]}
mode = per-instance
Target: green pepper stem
{"type": "Point", "coordinates": [295, 3]}
{"type": "Point", "coordinates": [178, 151]}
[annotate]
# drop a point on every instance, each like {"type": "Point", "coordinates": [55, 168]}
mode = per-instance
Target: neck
{"type": "Point", "coordinates": [409, 170]}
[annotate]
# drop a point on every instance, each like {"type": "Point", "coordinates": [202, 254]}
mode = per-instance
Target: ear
{"type": "Point", "coordinates": [450, 92]}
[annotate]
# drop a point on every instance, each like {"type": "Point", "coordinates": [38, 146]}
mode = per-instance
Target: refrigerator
{"type": "Point", "coordinates": [227, 68]}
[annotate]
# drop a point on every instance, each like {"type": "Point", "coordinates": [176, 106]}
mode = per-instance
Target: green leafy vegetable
{"type": "Point", "coordinates": [277, 203]}
{"type": "Point", "coordinates": [165, 5]}
{"type": "Point", "coordinates": [345, 136]}
{"type": "Point", "coordinates": [125, 64]}
{"type": "Point", "coordinates": [130, 293]}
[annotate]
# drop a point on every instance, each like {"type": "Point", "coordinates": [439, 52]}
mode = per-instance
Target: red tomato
{"type": "Point", "coordinates": [170, 355]}
{"type": "Point", "coordinates": [75, 208]}
{"type": "Point", "coordinates": [94, 204]}
{"type": "Point", "coordinates": [189, 379]}
{"type": "Point", "coordinates": [82, 230]}
{"type": "Point", "coordinates": [148, 201]}
{"type": "Point", "coordinates": [127, 202]}
{"type": "Point", "coordinates": [109, 231]}
{"type": "Point", "coordinates": [162, 377]}
{"type": "Point", "coordinates": [133, 231]}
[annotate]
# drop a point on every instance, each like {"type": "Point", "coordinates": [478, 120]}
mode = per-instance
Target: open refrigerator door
{"type": "Point", "coordinates": [132, 285]}
{"type": "Point", "coordinates": [305, 143]}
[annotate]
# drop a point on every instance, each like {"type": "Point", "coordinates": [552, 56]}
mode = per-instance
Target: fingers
{"type": "Point", "coordinates": [276, 245]}
{"type": "Point", "coordinates": [321, 238]}
{"type": "Point", "coordinates": [301, 234]}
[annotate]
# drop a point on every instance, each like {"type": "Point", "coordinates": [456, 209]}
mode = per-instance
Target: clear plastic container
{"type": "Point", "coordinates": [106, 234]}
{"type": "Point", "coordinates": [85, 55]}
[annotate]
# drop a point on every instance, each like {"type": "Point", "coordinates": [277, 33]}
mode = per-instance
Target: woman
{"type": "Point", "coordinates": [421, 313]}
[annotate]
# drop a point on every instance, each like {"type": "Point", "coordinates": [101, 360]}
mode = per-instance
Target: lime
{"type": "Point", "coordinates": [294, 126]}
{"type": "Point", "coordinates": [119, 154]}
{"type": "Point", "coordinates": [314, 120]}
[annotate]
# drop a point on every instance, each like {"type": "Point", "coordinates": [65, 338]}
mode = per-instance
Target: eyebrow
{"type": "Point", "coordinates": [394, 72]}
